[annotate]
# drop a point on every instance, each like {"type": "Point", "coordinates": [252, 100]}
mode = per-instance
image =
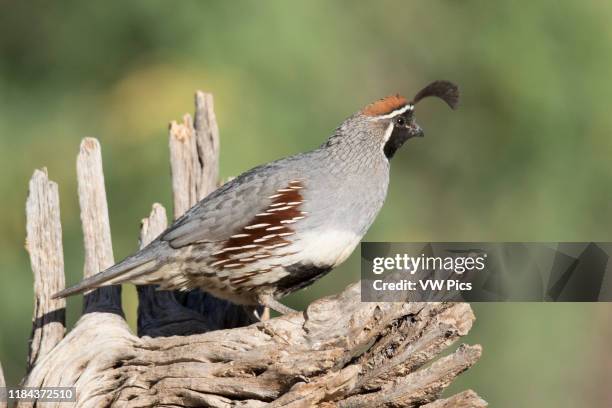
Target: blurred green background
{"type": "Point", "coordinates": [527, 156]}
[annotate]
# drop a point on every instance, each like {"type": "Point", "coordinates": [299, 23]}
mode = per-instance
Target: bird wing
{"type": "Point", "coordinates": [232, 207]}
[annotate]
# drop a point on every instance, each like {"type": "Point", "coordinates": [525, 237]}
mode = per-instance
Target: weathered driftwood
{"type": "Point", "coordinates": [44, 244]}
{"type": "Point", "coordinates": [325, 355]}
{"type": "Point", "coordinates": [338, 352]}
{"type": "Point", "coordinates": [465, 399]}
{"type": "Point", "coordinates": [96, 227]}
{"type": "Point", "coordinates": [194, 155]}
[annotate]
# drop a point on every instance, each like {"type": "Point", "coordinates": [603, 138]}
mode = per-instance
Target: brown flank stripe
{"type": "Point", "coordinates": [268, 230]}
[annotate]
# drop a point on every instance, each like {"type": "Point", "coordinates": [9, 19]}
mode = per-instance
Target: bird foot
{"type": "Point", "coordinates": [275, 305]}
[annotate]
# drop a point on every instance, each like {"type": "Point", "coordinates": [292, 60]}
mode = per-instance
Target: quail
{"type": "Point", "coordinates": [281, 226]}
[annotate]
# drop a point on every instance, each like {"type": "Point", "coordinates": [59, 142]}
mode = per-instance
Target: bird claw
{"type": "Point", "coordinates": [275, 305]}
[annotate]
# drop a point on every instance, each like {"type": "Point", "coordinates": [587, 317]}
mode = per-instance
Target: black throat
{"type": "Point", "coordinates": [398, 137]}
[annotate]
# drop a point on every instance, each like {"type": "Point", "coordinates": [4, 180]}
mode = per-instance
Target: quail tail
{"type": "Point", "coordinates": [128, 270]}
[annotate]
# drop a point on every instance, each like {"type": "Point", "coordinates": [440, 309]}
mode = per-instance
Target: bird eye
{"type": "Point", "coordinates": [400, 121]}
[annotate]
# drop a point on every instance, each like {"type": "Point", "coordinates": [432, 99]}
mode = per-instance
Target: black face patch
{"type": "Point", "coordinates": [397, 139]}
{"type": "Point", "coordinates": [403, 129]}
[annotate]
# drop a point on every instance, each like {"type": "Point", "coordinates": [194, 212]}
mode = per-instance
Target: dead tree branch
{"type": "Point", "coordinates": [96, 227]}
{"type": "Point", "coordinates": [465, 399]}
{"type": "Point", "coordinates": [44, 244]}
{"type": "Point", "coordinates": [324, 355]}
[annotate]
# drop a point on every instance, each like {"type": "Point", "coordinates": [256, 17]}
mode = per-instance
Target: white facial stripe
{"type": "Point", "coordinates": [388, 132]}
{"type": "Point", "coordinates": [396, 112]}
{"type": "Point", "coordinates": [387, 135]}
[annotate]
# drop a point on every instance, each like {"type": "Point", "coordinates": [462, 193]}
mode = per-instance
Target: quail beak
{"type": "Point", "coordinates": [415, 130]}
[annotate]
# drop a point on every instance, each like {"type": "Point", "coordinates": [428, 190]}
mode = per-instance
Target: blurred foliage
{"type": "Point", "coordinates": [527, 156]}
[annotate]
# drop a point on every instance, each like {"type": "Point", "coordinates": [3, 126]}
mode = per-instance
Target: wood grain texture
{"type": "Point", "coordinates": [194, 155]}
{"type": "Point", "coordinates": [44, 245]}
{"type": "Point", "coordinates": [96, 227]}
{"type": "Point", "coordinates": [336, 353]}
{"type": "Point", "coordinates": [465, 399]}
{"type": "Point", "coordinates": [184, 165]}
{"type": "Point", "coordinates": [207, 142]}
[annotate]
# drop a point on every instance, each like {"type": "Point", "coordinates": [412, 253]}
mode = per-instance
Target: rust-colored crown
{"type": "Point", "coordinates": [385, 106]}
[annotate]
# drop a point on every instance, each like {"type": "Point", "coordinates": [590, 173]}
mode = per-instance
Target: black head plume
{"type": "Point", "coordinates": [445, 90]}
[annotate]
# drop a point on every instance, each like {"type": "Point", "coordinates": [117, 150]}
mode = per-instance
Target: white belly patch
{"type": "Point", "coordinates": [329, 248]}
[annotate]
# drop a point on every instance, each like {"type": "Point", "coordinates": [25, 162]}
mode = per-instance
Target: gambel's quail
{"type": "Point", "coordinates": [280, 226]}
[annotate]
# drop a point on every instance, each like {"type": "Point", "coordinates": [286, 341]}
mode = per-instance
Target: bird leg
{"type": "Point", "coordinates": [269, 301]}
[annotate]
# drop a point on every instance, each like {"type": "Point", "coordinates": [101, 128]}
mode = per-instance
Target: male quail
{"type": "Point", "coordinates": [280, 226]}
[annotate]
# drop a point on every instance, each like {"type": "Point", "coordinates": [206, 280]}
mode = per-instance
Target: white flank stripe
{"type": "Point", "coordinates": [240, 236]}
{"type": "Point", "coordinates": [277, 245]}
{"type": "Point", "coordinates": [280, 209]}
{"type": "Point", "coordinates": [262, 239]}
{"type": "Point", "coordinates": [270, 236]}
{"type": "Point", "coordinates": [231, 249]}
{"type": "Point", "coordinates": [250, 227]}
{"type": "Point", "coordinates": [275, 228]}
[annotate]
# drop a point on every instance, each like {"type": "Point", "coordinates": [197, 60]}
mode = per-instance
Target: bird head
{"type": "Point", "coordinates": [390, 122]}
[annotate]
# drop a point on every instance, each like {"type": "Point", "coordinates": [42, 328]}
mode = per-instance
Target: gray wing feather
{"type": "Point", "coordinates": [230, 207]}
{"type": "Point", "coordinates": [130, 268]}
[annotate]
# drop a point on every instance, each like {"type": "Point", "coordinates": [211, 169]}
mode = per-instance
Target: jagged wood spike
{"type": "Point", "coordinates": [96, 227]}
{"type": "Point", "coordinates": [44, 245]}
{"type": "Point", "coordinates": [207, 142]}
